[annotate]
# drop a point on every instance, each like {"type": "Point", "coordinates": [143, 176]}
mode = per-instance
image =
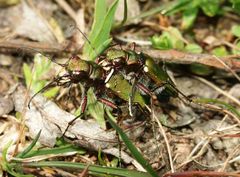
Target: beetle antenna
{"type": "Point", "coordinates": [51, 84]}
{"type": "Point", "coordinates": [86, 38]}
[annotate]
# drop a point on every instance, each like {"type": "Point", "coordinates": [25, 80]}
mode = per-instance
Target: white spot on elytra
{"type": "Point", "coordinates": [109, 75]}
{"type": "Point", "coordinates": [145, 69]}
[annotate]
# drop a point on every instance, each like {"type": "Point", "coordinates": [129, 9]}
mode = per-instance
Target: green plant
{"type": "Point", "coordinates": [220, 103]}
{"type": "Point", "coordinates": [16, 166]}
{"type": "Point", "coordinates": [190, 9]}
{"type": "Point", "coordinates": [99, 39]}
{"type": "Point", "coordinates": [100, 32]}
{"type": "Point", "coordinates": [34, 80]}
{"type": "Point", "coordinates": [236, 5]}
{"type": "Point", "coordinates": [236, 32]}
{"type": "Point", "coordinates": [134, 151]}
{"type": "Point", "coordinates": [171, 38]}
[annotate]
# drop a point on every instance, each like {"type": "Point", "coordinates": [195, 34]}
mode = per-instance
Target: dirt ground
{"type": "Point", "coordinates": [179, 135]}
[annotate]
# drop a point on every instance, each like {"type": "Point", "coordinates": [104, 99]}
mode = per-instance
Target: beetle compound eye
{"type": "Point", "coordinates": [117, 61]}
{"type": "Point", "coordinates": [84, 66]}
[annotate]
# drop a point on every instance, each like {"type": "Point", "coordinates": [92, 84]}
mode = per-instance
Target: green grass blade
{"type": "Point", "coordinates": [4, 162]}
{"type": "Point", "coordinates": [106, 28]}
{"type": "Point", "coordinates": [56, 150]}
{"type": "Point", "coordinates": [102, 47]}
{"type": "Point", "coordinates": [27, 74]}
{"type": "Point", "coordinates": [93, 169]}
{"type": "Point", "coordinates": [189, 17]}
{"type": "Point", "coordinates": [42, 67]}
{"type": "Point", "coordinates": [148, 13]}
{"type": "Point", "coordinates": [29, 148]}
{"type": "Point", "coordinates": [166, 8]}
{"type": "Point", "coordinates": [104, 32]}
{"type": "Point", "coordinates": [222, 103]}
{"type": "Point", "coordinates": [136, 154]}
{"type": "Point", "coordinates": [178, 6]}
{"type": "Point", "coordinates": [99, 13]}
{"type": "Point", "coordinates": [8, 166]}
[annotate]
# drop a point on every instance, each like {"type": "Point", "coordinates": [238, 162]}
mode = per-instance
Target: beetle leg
{"type": "Point", "coordinates": [108, 103]}
{"type": "Point", "coordinates": [139, 107]}
{"type": "Point", "coordinates": [135, 84]}
{"type": "Point", "coordinates": [70, 123]}
{"type": "Point", "coordinates": [82, 106]}
{"type": "Point", "coordinates": [132, 78]}
{"type": "Point", "coordinates": [144, 89]}
{"type": "Point", "coordinates": [131, 97]}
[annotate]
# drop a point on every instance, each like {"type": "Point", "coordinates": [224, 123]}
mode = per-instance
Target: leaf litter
{"type": "Point", "coordinates": [199, 139]}
{"type": "Point", "coordinates": [46, 116]}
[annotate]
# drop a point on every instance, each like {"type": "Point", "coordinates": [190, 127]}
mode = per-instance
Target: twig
{"type": "Point", "coordinates": [169, 56]}
{"type": "Point", "coordinates": [85, 171]}
{"type": "Point", "coordinates": [202, 144]}
{"type": "Point", "coordinates": [31, 47]}
{"type": "Point", "coordinates": [175, 56]}
{"type": "Point", "coordinates": [78, 17]}
{"type": "Point", "coordinates": [201, 173]}
{"type": "Point", "coordinates": [68, 9]}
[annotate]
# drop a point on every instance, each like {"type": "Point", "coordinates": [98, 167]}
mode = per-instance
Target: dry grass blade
{"type": "Point", "coordinates": [165, 139]}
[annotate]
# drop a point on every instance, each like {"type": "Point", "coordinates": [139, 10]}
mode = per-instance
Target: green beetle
{"type": "Point", "coordinates": [137, 65]}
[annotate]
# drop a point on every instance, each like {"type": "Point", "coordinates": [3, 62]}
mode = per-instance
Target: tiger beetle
{"type": "Point", "coordinates": [136, 65]}
{"type": "Point", "coordinates": [90, 74]}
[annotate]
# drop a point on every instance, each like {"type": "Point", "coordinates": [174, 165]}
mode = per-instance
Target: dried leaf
{"type": "Point", "coordinates": [30, 25]}
{"type": "Point", "coordinates": [47, 116]}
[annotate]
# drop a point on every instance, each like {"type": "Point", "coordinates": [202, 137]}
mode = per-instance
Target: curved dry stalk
{"type": "Point", "coordinates": [228, 68]}
{"type": "Point", "coordinates": [232, 98]}
{"type": "Point", "coordinates": [22, 116]}
{"type": "Point", "coordinates": [165, 139]}
{"type": "Point", "coordinates": [190, 158]}
{"type": "Point", "coordinates": [234, 151]}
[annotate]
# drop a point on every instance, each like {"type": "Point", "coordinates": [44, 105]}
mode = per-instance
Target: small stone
{"type": "Point", "coordinates": [6, 60]}
{"type": "Point", "coordinates": [6, 105]}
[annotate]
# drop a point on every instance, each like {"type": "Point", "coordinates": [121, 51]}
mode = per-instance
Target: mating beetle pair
{"type": "Point", "coordinates": [138, 69]}
{"type": "Point", "coordinates": [119, 72]}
